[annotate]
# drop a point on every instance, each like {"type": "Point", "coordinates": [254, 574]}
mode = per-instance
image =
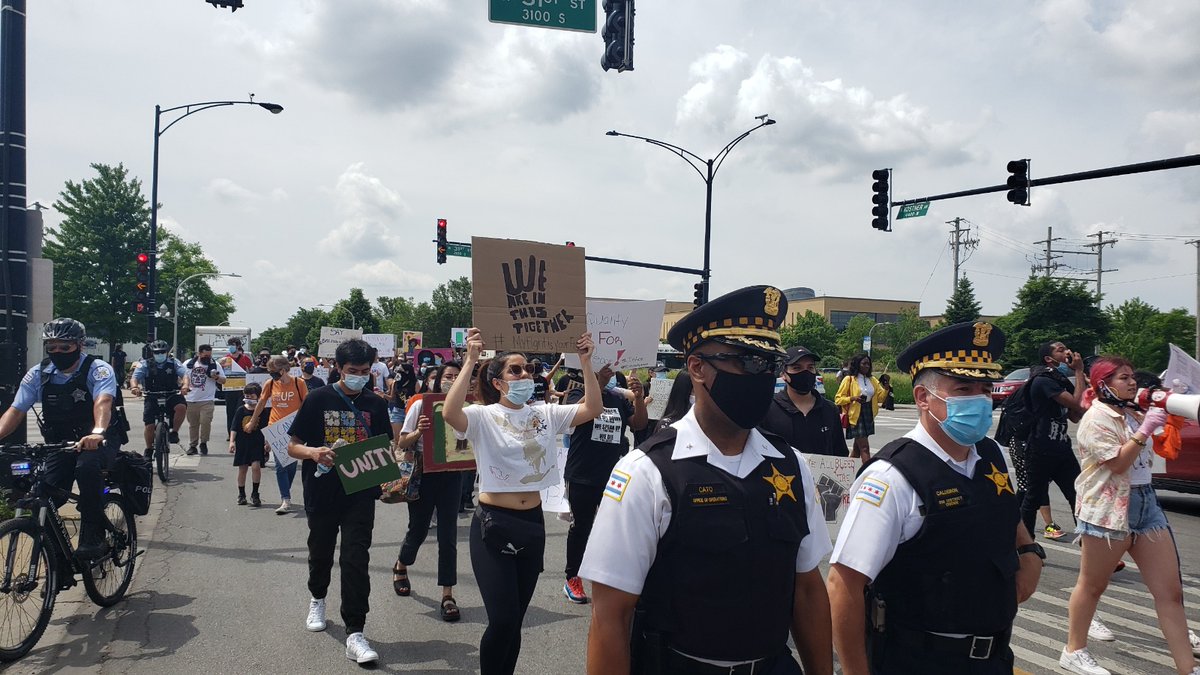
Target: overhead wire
{"type": "Point", "coordinates": [931, 272]}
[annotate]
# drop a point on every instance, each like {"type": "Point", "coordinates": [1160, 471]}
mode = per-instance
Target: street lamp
{"type": "Point", "coordinates": [353, 321]}
{"type": "Point", "coordinates": [870, 340]}
{"type": "Point", "coordinates": [159, 130]}
{"type": "Point", "coordinates": [175, 324]}
{"type": "Point", "coordinates": [712, 165]}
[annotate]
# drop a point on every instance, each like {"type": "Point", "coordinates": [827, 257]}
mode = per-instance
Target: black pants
{"type": "Point", "coordinates": [1043, 467]}
{"type": "Point", "coordinates": [356, 520]}
{"type": "Point", "coordinates": [584, 501]}
{"type": "Point", "coordinates": [468, 488]}
{"type": "Point", "coordinates": [506, 584]}
{"type": "Point", "coordinates": [904, 659]}
{"type": "Point", "coordinates": [233, 401]}
{"type": "Point", "coordinates": [65, 468]}
{"type": "Point", "coordinates": [440, 491]}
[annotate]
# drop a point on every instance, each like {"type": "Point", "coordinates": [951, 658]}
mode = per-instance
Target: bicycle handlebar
{"type": "Point", "coordinates": [36, 448]}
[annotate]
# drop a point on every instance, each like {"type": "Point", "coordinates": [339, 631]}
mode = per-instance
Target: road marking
{"type": "Point", "coordinates": [1044, 664]}
{"type": "Point", "coordinates": [1075, 551]}
{"type": "Point", "coordinates": [185, 461]}
{"type": "Point", "coordinates": [1059, 623]}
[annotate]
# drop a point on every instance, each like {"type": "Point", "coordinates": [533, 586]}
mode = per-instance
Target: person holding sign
{"type": "Point", "coordinates": [285, 393]}
{"type": "Point", "coordinates": [516, 453]}
{"type": "Point", "coordinates": [348, 411]}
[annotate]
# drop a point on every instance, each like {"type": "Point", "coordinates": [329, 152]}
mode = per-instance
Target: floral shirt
{"type": "Point", "coordinates": [1102, 497]}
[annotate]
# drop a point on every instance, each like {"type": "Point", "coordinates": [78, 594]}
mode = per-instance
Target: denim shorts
{"type": "Point", "coordinates": [395, 415]}
{"type": "Point", "coordinates": [1145, 516]}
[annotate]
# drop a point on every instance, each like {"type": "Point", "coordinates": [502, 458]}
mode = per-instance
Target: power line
{"type": "Point", "coordinates": [935, 266]}
{"type": "Point", "coordinates": [1169, 276]}
{"type": "Point", "coordinates": [958, 243]}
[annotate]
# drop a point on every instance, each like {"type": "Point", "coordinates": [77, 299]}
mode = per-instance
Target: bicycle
{"type": "Point", "coordinates": [162, 430]}
{"type": "Point", "coordinates": [39, 558]}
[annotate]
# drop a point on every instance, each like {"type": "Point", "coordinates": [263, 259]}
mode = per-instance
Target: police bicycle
{"type": "Point", "coordinates": [38, 555]}
{"type": "Point", "coordinates": [163, 416]}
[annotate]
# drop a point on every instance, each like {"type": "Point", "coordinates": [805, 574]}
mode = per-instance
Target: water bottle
{"type": "Point", "coordinates": [323, 469]}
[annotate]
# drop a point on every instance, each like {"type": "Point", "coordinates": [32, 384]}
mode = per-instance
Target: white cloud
{"type": "Point", "coordinates": [370, 213]}
{"type": "Point", "coordinates": [389, 278]}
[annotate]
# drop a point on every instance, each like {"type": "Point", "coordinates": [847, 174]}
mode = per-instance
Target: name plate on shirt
{"type": "Point", "coordinates": [365, 464]}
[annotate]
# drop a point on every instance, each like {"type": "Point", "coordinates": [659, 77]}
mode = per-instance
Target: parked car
{"type": "Point", "coordinates": [1181, 474]}
{"type": "Point", "coordinates": [1002, 390]}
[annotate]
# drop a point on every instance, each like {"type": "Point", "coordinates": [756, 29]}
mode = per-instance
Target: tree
{"type": "Point", "coordinates": [356, 309]}
{"type": "Point", "coordinates": [105, 224]}
{"type": "Point", "coordinates": [850, 341]}
{"type": "Point", "coordinates": [450, 308]}
{"type": "Point", "coordinates": [812, 331]}
{"type": "Point", "coordinates": [907, 329]}
{"type": "Point", "coordinates": [1049, 309]}
{"type": "Point", "coordinates": [962, 305]}
{"type": "Point", "coordinates": [198, 305]}
{"type": "Point", "coordinates": [1141, 333]}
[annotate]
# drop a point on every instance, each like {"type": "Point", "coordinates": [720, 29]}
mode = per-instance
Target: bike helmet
{"type": "Point", "coordinates": [160, 346]}
{"type": "Point", "coordinates": [64, 329]}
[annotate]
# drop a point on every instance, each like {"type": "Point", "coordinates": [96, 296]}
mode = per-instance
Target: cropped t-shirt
{"type": "Point", "coordinates": [517, 450]}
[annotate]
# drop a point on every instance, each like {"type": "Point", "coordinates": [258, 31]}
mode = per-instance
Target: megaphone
{"type": "Point", "coordinates": [1184, 405]}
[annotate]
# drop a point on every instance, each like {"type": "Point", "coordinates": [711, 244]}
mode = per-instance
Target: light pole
{"type": "Point", "coordinates": [159, 130]}
{"type": "Point", "coordinates": [353, 322]}
{"type": "Point", "coordinates": [175, 325]}
{"type": "Point", "coordinates": [870, 340]}
{"type": "Point", "coordinates": [712, 166]}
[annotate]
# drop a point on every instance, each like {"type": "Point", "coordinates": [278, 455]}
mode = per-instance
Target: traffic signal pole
{"type": "Point", "coordinates": [15, 281]}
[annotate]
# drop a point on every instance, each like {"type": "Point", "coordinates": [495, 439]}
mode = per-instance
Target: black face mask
{"type": "Point", "coordinates": [64, 360]}
{"type": "Point", "coordinates": [745, 399]}
{"type": "Point", "coordinates": [205, 359]}
{"type": "Point", "coordinates": [309, 368]}
{"type": "Point", "coordinates": [276, 375]}
{"type": "Point", "coordinates": [802, 382]}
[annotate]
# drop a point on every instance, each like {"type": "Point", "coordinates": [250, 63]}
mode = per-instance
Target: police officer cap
{"type": "Point", "coordinates": [749, 318]}
{"type": "Point", "coordinates": [64, 329]}
{"type": "Point", "coordinates": [967, 351]}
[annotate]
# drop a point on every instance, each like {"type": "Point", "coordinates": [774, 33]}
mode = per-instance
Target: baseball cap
{"type": "Point", "coordinates": [794, 354]}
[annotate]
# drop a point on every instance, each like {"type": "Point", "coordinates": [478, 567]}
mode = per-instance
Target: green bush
{"type": "Point", "coordinates": [901, 387]}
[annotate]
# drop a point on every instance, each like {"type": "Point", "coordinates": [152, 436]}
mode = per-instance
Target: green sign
{"type": "Point", "coordinates": [913, 210]}
{"type": "Point", "coordinates": [578, 15]}
{"type": "Point", "coordinates": [460, 250]}
{"type": "Point", "coordinates": [366, 464]}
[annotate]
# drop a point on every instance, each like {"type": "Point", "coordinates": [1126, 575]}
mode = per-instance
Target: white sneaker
{"type": "Point", "coordinates": [1195, 643]}
{"type": "Point", "coordinates": [1098, 631]}
{"type": "Point", "coordinates": [1080, 662]}
{"type": "Point", "coordinates": [284, 507]}
{"type": "Point", "coordinates": [316, 615]}
{"type": "Point", "coordinates": [358, 650]}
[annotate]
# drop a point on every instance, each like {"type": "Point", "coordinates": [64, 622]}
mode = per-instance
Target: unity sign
{"type": "Point", "coordinates": [528, 296]}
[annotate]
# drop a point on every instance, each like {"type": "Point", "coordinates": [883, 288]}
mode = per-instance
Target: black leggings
{"type": "Point", "coordinates": [440, 491]}
{"type": "Point", "coordinates": [584, 500]}
{"type": "Point", "coordinates": [1044, 467]}
{"type": "Point", "coordinates": [506, 583]}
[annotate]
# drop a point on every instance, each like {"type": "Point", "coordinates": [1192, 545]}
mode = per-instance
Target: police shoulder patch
{"type": "Point", "coordinates": [101, 373]}
{"type": "Point", "coordinates": [617, 482]}
{"type": "Point", "coordinates": [872, 491]}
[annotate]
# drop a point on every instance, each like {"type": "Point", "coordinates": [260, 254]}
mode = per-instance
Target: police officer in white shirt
{"type": "Point", "coordinates": [933, 534]}
{"type": "Point", "coordinates": [706, 544]}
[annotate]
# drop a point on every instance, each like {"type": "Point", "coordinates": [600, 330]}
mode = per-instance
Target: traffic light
{"type": "Point", "coordinates": [142, 287]}
{"type": "Point", "coordinates": [618, 35]}
{"type": "Point", "coordinates": [700, 294]}
{"type": "Point", "coordinates": [881, 211]}
{"type": "Point", "coordinates": [233, 5]}
{"type": "Point", "coordinates": [570, 244]}
{"type": "Point", "coordinates": [1018, 182]}
{"type": "Point", "coordinates": [441, 241]}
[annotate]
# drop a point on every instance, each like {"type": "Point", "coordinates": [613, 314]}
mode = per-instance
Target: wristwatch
{"type": "Point", "coordinates": [98, 430]}
{"type": "Point", "coordinates": [1033, 548]}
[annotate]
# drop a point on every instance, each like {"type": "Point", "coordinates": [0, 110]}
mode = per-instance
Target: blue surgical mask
{"type": "Point", "coordinates": [519, 391]}
{"type": "Point", "coordinates": [968, 418]}
{"type": "Point", "coordinates": [612, 384]}
{"type": "Point", "coordinates": [160, 358]}
{"type": "Point", "coordinates": [355, 382]}
{"type": "Point", "coordinates": [1064, 369]}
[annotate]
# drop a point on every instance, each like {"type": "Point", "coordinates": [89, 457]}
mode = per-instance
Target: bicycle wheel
{"type": "Point", "coordinates": [26, 602]}
{"type": "Point", "coordinates": [162, 458]}
{"type": "Point", "coordinates": [108, 578]}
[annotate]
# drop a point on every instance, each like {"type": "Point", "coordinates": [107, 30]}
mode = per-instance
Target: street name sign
{"type": "Point", "coordinates": [913, 210]}
{"type": "Point", "coordinates": [576, 15]}
{"type": "Point", "coordinates": [460, 250]}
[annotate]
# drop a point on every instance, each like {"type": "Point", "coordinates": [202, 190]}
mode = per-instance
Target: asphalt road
{"type": "Point", "coordinates": [222, 589]}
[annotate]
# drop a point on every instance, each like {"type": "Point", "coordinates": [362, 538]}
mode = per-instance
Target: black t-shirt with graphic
{"type": "Point", "coordinates": [1050, 433]}
{"type": "Point", "coordinates": [325, 417]}
{"type": "Point", "coordinates": [596, 446]}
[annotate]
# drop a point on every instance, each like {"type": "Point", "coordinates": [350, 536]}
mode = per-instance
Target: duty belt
{"type": "Point", "coordinates": [977, 647]}
{"type": "Point", "coordinates": [680, 663]}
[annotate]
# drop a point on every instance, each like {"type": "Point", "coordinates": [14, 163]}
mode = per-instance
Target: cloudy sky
{"type": "Point", "coordinates": [399, 112]}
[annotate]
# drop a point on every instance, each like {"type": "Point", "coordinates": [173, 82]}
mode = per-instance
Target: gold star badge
{"type": "Point", "coordinates": [1000, 479]}
{"type": "Point", "coordinates": [781, 483]}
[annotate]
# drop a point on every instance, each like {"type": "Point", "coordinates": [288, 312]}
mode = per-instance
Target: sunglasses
{"type": "Point", "coordinates": [516, 370]}
{"type": "Point", "coordinates": [752, 364]}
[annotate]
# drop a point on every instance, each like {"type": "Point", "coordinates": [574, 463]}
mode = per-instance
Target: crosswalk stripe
{"type": "Point", "coordinates": [1145, 594]}
{"type": "Point", "coordinates": [1059, 623]}
{"type": "Point", "coordinates": [1075, 551]}
{"type": "Point", "coordinates": [1041, 663]}
{"type": "Point", "coordinates": [186, 461]}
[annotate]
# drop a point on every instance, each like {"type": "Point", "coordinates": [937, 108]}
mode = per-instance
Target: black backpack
{"type": "Point", "coordinates": [133, 474]}
{"type": "Point", "coordinates": [1017, 415]}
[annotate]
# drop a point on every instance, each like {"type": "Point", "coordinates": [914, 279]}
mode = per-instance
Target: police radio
{"type": "Point", "coordinates": [1184, 405]}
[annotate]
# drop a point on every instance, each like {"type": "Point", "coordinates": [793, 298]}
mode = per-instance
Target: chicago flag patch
{"type": "Point", "coordinates": [872, 491]}
{"type": "Point", "coordinates": [617, 483]}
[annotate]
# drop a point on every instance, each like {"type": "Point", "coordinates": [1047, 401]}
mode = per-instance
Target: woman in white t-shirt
{"type": "Point", "coordinates": [516, 456]}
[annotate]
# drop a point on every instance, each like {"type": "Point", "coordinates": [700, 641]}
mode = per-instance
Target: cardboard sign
{"type": "Point", "coordinates": [411, 340]}
{"type": "Point", "coordinates": [442, 450]}
{"type": "Point", "coordinates": [458, 338]}
{"type": "Point", "coordinates": [834, 476]}
{"type": "Point", "coordinates": [528, 296]}
{"type": "Point", "coordinates": [625, 332]}
{"type": "Point", "coordinates": [384, 343]}
{"type": "Point", "coordinates": [365, 464]}
{"type": "Point", "coordinates": [277, 439]}
{"type": "Point", "coordinates": [332, 337]}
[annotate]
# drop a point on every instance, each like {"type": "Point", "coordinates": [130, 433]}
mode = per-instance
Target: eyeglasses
{"type": "Point", "coordinates": [518, 370]}
{"type": "Point", "coordinates": [752, 364]}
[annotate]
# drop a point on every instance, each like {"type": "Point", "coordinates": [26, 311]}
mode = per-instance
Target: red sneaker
{"type": "Point", "coordinates": [573, 589]}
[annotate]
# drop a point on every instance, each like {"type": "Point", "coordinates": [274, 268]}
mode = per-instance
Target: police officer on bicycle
{"type": "Point", "coordinates": [76, 393]}
{"type": "Point", "coordinates": [161, 372]}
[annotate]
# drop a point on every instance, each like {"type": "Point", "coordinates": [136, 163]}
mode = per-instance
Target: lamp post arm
{"type": "Point", "coordinates": [193, 108]}
{"type": "Point", "coordinates": [729, 146]}
{"type": "Point", "coordinates": [683, 153]}
{"type": "Point", "coordinates": [175, 317]}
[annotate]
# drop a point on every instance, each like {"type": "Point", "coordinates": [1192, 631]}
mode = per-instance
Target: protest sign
{"type": "Point", "coordinates": [366, 464]}
{"type": "Point", "coordinates": [258, 378]}
{"type": "Point", "coordinates": [528, 296]}
{"type": "Point", "coordinates": [660, 390]}
{"type": "Point", "coordinates": [235, 375]}
{"type": "Point", "coordinates": [834, 477]}
{"type": "Point", "coordinates": [625, 332]}
{"type": "Point", "coordinates": [294, 371]}
{"type": "Point", "coordinates": [442, 450]}
{"type": "Point", "coordinates": [554, 498]}
{"type": "Point", "coordinates": [411, 340]}
{"type": "Point", "coordinates": [432, 357]}
{"type": "Point", "coordinates": [332, 337]}
{"type": "Point", "coordinates": [384, 343]}
{"type": "Point", "coordinates": [321, 372]}
{"type": "Point", "coordinates": [277, 439]}
{"type": "Point", "coordinates": [458, 338]}
{"type": "Point", "coordinates": [1183, 372]}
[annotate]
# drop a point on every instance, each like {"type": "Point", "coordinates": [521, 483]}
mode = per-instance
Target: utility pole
{"type": "Point", "coordinates": [1049, 265]}
{"type": "Point", "coordinates": [957, 242]}
{"type": "Point", "coordinates": [15, 273]}
{"type": "Point", "coordinates": [1101, 242]}
{"type": "Point", "coordinates": [1196, 243]}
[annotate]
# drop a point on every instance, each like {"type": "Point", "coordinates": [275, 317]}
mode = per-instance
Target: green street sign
{"type": "Point", "coordinates": [460, 250]}
{"type": "Point", "coordinates": [913, 210]}
{"type": "Point", "coordinates": [577, 15]}
{"type": "Point", "coordinates": [366, 464]}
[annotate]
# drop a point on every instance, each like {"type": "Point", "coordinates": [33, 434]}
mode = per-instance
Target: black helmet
{"type": "Point", "coordinates": [159, 346]}
{"type": "Point", "coordinates": [64, 329]}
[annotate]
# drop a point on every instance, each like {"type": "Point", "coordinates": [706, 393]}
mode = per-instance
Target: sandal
{"type": "Point", "coordinates": [449, 610]}
{"type": "Point", "coordinates": [400, 580]}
